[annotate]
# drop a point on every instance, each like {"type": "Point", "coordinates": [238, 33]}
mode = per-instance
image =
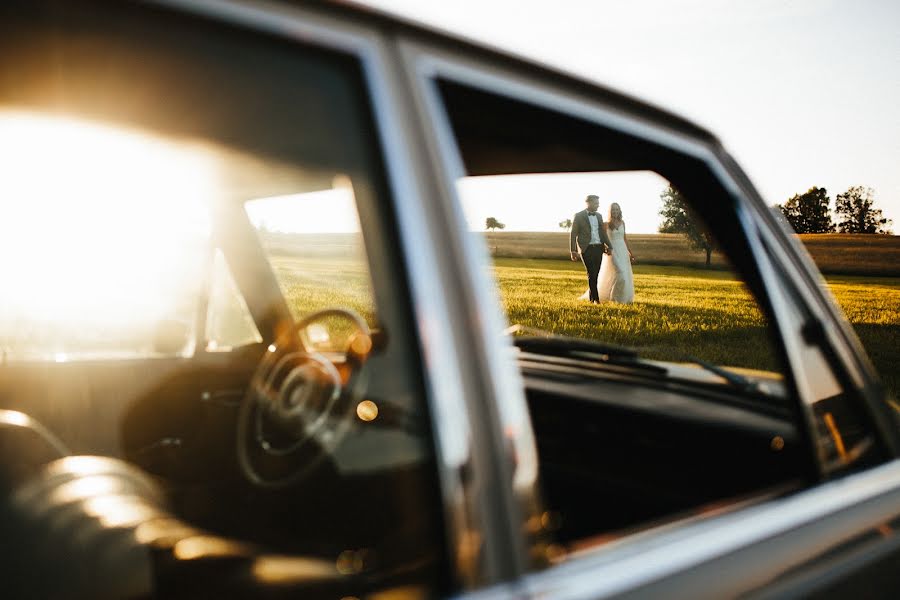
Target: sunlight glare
{"type": "Point", "coordinates": [96, 223]}
{"type": "Point", "coordinates": [323, 211]}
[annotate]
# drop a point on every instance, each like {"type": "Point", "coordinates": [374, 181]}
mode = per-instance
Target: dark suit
{"type": "Point", "coordinates": [591, 254]}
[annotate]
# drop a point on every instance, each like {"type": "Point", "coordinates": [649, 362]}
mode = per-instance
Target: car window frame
{"type": "Point", "coordinates": [831, 333]}
{"type": "Point", "coordinates": [756, 546]}
{"type": "Point", "coordinates": [328, 28]}
{"type": "Point", "coordinates": [428, 60]}
{"type": "Point", "coordinates": [480, 523]}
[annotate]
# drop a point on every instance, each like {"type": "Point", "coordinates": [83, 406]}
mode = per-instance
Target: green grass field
{"type": "Point", "coordinates": [872, 304]}
{"type": "Point", "coordinates": [678, 310]}
{"type": "Point", "coordinates": [854, 254]}
{"type": "Point", "coordinates": [708, 314]}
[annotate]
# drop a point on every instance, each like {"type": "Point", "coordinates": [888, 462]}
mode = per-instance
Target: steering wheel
{"type": "Point", "coordinates": [300, 399]}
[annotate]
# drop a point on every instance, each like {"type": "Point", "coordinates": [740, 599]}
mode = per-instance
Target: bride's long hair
{"type": "Point", "coordinates": [615, 215]}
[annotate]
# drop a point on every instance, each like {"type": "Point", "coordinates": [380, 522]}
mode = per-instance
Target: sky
{"type": "Point", "coordinates": [802, 93]}
{"type": "Point", "coordinates": [541, 202]}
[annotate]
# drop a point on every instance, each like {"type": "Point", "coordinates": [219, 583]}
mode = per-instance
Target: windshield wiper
{"type": "Point", "coordinates": [744, 384]}
{"type": "Point", "coordinates": [547, 343]}
{"type": "Point", "coordinates": [543, 342]}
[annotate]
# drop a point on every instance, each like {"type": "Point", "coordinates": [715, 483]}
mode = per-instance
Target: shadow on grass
{"type": "Point", "coordinates": [747, 347]}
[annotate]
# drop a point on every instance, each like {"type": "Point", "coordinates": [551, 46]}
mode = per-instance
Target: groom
{"type": "Point", "coordinates": [592, 242]}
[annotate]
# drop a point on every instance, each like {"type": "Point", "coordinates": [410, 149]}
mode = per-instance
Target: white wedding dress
{"type": "Point", "coordinates": [616, 280]}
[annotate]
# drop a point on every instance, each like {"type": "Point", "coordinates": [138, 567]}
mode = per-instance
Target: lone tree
{"type": "Point", "coordinates": [678, 218]}
{"type": "Point", "coordinates": [492, 223]}
{"type": "Point", "coordinates": [567, 224]}
{"type": "Point", "coordinates": [856, 212]}
{"type": "Point", "coordinates": [808, 212]}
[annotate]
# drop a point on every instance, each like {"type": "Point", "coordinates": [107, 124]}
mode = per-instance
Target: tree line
{"type": "Point", "coordinates": [809, 212]}
{"type": "Point", "coordinates": [854, 212]}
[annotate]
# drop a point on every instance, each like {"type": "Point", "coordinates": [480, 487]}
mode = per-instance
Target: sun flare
{"type": "Point", "coordinates": [97, 225]}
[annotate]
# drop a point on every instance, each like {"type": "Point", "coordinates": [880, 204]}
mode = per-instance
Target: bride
{"type": "Point", "coordinates": [616, 280]}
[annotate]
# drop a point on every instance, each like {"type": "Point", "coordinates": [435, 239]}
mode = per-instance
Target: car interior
{"type": "Point", "coordinates": [245, 446]}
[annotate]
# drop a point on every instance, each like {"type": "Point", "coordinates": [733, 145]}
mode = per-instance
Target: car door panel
{"type": "Point", "coordinates": [746, 550]}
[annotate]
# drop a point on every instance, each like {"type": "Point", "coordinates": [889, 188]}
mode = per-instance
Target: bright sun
{"type": "Point", "coordinates": [98, 225]}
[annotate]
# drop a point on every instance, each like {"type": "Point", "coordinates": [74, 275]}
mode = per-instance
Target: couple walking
{"type": "Point", "coordinates": [591, 238]}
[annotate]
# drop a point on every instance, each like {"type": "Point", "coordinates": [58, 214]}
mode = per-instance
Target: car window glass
{"type": "Point", "coordinates": [844, 435]}
{"type": "Point", "coordinates": [666, 397]}
{"type": "Point", "coordinates": [228, 321]}
{"type": "Point", "coordinates": [164, 180]}
{"type": "Point", "coordinates": [314, 244]}
{"type": "Point", "coordinates": [668, 302]}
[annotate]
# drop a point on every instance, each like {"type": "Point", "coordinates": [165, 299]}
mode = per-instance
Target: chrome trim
{"type": "Point", "coordinates": [429, 281]}
{"type": "Point", "coordinates": [508, 442]}
{"type": "Point", "coordinates": [500, 355]}
{"type": "Point", "coordinates": [789, 326]}
{"type": "Point", "coordinates": [659, 553]}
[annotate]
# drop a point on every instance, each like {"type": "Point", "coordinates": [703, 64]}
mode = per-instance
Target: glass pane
{"type": "Point", "coordinates": [314, 243]}
{"type": "Point", "coordinates": [228, 321]}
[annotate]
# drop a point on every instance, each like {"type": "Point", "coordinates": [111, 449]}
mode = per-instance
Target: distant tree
{"type": "Point", "coordinates": [809, 212]}
{"type": "Point", "coordinates": [492, 223]}
{"type": "Point", "coordinates": [567, 224]}
{"type": "Point", "coordinates": [678, 218]}
{"type": "Point", "coordinates": [856, 212]}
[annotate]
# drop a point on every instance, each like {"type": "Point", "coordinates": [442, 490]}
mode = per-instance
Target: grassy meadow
{"type": "Point", "coordinates": [678, 311]}
{"type": "Point", "coordinates": [706, 313]}
{"type": "Point", "coordinates": [680, 308]}
{"type": "Point", "coordinates": [854, 254]}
